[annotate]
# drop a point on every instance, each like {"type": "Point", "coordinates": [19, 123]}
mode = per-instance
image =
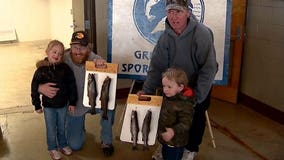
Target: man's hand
{"type": "Point", "coordinates": [71, 109]}
{"type": "Point", "coordinates": [100, 63]}
{"type": "Point", "coordinates": [140, 93]}
{"type": "Point", "coordinates": [39, 111]}
{"type": "Point", "coordinates": [48, 89]}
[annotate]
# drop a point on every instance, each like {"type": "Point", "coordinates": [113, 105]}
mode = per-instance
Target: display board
{"type": "Point", "coordinates": [141, 107]}
{"type": "Point", "coordinates": [100, 75]}
{"type": "Point", "coordinates": [135, 26]}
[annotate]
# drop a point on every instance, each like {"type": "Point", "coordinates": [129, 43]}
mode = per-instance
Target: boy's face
{"type": "Point", "coordinates": [79, 53]}
{"type": "Point", "coordinates": [170, 87]}
{"type": "Point", "coordinates": [55, 54]}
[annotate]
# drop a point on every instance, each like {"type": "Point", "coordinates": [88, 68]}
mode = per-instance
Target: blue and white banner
{"type": "Point", "coordinates": [135, 26]}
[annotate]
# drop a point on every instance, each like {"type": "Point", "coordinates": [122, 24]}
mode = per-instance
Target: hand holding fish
{"type": "Point", "coordinates": [100, 63]}
{"type": "Point", "coordinates": [140, 93]}
{"type": "Point", "coordinates": [71, 109]}
{"type": "Point", "coordinates": [48, 89]}
{"type": "Point", "coordinates": [168, 135]}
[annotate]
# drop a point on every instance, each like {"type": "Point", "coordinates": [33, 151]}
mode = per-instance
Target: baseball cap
{"type": "Point", "coordinates": [177, 4]}
{"type": "Point", "coordinates": [80, 37]}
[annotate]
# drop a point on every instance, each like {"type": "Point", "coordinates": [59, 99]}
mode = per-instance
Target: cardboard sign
{"type": "Point", "coordinates": [141, 106]}
{"type": "Point", "coordinates": [100, 75]}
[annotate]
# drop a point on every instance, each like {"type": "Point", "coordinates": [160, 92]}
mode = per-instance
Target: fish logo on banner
{"type": "Point", "coordinates": [150, 15]}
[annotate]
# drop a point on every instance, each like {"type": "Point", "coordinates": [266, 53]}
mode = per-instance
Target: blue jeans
{"type": "Point", "coordinates": [172, 153]}
{"type": "Point", "coordinates": [76, 132]}
{"type": "Point", "coordinates": [55, 128]}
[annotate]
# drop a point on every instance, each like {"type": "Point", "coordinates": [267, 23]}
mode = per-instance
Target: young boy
{"type": "Point", "coordinates": [176, 113]}
{"type": "Point", "coordinates": [52, 69]}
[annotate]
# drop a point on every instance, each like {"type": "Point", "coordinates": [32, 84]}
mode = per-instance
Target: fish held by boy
{"type": "Point", "coordinates": [146, 129]}
{"type": "Point", "coordinates": [105, 96]}
{"type": "Point", "coordinates": [92, 92]}
{"type": "Point", "coordinates": [134, 129]}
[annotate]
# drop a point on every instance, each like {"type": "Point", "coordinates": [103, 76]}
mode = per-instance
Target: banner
{"type": "Point", "coordinates": [135, 26]}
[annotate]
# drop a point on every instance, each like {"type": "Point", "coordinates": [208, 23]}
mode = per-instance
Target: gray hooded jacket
{"type": "Point", "coordinates": [193, 51]}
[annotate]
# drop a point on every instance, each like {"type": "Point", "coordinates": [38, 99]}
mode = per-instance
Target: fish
{"type": "Point", "coordinates": [134, 129]}
{"type": "Point", "coordinates": [105, 96]}
{"type": "Point", "coordinates": [92, 92]}
{"type": "Point", "coordinates": [146, 127]}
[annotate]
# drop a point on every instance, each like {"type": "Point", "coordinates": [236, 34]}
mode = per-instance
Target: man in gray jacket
{"type": "Point", "coordinates": [189, 45]}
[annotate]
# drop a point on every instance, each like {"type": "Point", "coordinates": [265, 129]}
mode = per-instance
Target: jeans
{"type": "Point", "coordinates": [197, 128]}
{"type": "Point", "coordinates": [76, 132]}
{"type": "Point", "coordinates": [172, 153]}
{"type": "Point", "coordinates": [55, 129]}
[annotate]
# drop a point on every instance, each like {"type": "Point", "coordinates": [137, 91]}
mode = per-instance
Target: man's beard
{"type": "Point", "coordinates": [79, 59]}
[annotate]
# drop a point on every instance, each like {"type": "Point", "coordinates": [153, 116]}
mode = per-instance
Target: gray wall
{"type": "Point", "coordinates": [263, 59]}
{"type": "Point", "coordinates": [262, 73]}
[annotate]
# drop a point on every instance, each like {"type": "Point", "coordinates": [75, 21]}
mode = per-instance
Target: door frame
{"type": "Point", "coordinates": [238, 27]}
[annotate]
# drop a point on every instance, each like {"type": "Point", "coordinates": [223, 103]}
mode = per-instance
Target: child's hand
{"type": "Point", "coordinates": [168, 135]}
{"type": "Point", "coordinates": [71, 109]}
{"type": "Point", "coordinates": [39, 111]}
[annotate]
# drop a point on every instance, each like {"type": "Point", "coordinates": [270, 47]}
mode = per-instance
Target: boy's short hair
{"type": "Point", "coordinates": [176, 74]}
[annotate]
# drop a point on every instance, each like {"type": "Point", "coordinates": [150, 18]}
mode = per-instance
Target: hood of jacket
{"type": "Point", "coordinates": [45, 62]}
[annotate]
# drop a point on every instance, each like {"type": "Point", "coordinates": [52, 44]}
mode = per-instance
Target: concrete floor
{"type": "Point", "coordinates": [240, 133]}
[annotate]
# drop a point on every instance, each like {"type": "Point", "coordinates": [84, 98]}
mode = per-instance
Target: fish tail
{"type": "Point", "coordinates": [105, 117]}
{"type": "Point", "coordinates": [134, 147]}
{"type": "Point", "coordinates": [93, 111]}
{"type": "Point", "coordinates": [145, 147]}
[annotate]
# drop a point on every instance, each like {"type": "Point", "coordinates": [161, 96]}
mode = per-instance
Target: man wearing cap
{"type": "Point", "coordinates": [186, 44]}
{"type": "Point", "coordinates": [79, 53]}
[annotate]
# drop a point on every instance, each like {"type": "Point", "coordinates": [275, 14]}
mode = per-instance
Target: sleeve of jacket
{"type": "Point", "coordinates": [34, 90]}
{"type": "Point", "coordinates": [72, 89]}
{"type": "Point", "coordinates": [93, 56]}
{"type": "Point", "coordinates": [158, 64]}
{"type": "Point", "coordinates": [206, 57]}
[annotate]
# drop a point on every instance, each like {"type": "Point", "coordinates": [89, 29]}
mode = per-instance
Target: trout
{"type": "Point", "coordinates": [146, 129]}
{"type": "Point", "coordinates": [92, 92]}
{"type": "Point", "coordinates": [134, 129]}
{"type": "Point", "coordinates": [105, 96]}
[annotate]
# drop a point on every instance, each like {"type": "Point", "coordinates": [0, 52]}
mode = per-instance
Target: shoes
{"type": "Point", "coordinates": [54, 154]}
{"type": "Point", "coordinates": [187, 155]}
{"type": "Point", "coordinates": [66, 150]}
{"type": "Point", "coordinates": [108, 149]}
{"type": "Point", "coordinates": [158, 153]}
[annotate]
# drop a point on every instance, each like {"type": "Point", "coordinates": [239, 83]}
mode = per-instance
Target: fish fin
{"type": "Point", "coordinates": [134, 147]}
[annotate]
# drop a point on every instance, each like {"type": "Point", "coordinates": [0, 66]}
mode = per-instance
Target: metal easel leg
{"type": "Point", "coordinates": [119, 125]}
{"type": "Point", "coordinates": [210, 130]}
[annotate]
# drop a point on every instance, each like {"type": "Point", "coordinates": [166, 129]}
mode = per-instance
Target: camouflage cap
{"type": "Point", "coordinates": [177, 4]}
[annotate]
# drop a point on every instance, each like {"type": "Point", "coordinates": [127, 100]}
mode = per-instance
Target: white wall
{"type": "Point", "coordinates": [38, 19]}
{"type": "Point", "coordinates": [60, 21]}
{"type": "Point", "coordinates": [30, 18]}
